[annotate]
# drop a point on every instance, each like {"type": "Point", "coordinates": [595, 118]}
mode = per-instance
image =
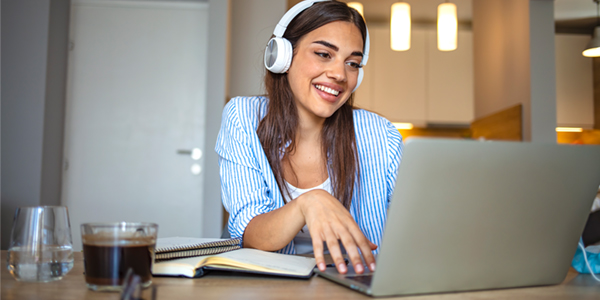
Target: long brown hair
{"type": "Point", "coordinates": [277, 130]}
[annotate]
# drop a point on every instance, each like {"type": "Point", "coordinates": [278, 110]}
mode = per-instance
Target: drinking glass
{"type": "Point", "coordinates": [110, 250]}
{"type": "Point", "coordinates": [40, 247]}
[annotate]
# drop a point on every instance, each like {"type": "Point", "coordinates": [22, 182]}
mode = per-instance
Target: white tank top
{"type": "Point", "coordinates": [302, 241]}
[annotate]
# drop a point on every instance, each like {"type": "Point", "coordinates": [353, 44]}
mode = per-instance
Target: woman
{"type": "Point", "coordinates": [302, 166]}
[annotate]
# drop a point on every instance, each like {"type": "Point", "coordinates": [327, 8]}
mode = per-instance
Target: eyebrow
{"type": "Point", "coordinates": [335, 48]}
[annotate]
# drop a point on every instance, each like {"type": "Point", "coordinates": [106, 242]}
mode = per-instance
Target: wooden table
{"type": "Point", "coordinates": [72, 286]}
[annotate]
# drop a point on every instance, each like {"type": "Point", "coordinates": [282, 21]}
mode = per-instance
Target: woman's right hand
{"type": "Point", "coordinates": [330, 222]}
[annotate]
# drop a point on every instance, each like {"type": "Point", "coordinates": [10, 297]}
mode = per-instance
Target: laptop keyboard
{"type": "Point", "coordinates": [364, 279]}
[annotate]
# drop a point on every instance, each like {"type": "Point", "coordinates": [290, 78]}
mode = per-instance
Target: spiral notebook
{"type": "Point", "coordinates": [243, 260]}
{"type": "Point", "coordinates": [180, 247]}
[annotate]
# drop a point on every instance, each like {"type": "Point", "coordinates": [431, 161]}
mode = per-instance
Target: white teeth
{"type": "Point", "coordinates": [327, 90]}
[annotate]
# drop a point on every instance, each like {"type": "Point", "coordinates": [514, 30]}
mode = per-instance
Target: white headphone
{"type": "Point", "coordinates": [279, 52]}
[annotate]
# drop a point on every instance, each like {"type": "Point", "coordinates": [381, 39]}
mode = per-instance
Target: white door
{"type": "Point", "coordinates": [135, 107]}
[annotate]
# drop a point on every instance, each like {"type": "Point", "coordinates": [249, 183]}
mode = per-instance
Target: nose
{"type": "Point", "coordinates": [337, 71]}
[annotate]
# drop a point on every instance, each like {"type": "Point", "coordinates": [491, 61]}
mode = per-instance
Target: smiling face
{"type": "Point", "coordinates": [324, 69]}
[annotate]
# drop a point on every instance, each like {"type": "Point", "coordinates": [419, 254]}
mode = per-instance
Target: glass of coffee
{"type": "Point", "coordinates": [110, 249]}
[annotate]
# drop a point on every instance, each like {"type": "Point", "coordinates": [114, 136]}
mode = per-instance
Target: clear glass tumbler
{"type": "Point", "coordinates": [40, 247]}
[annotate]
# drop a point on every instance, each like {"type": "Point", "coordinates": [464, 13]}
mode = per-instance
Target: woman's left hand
{"type": "Point", "coordinates": [330, 222]}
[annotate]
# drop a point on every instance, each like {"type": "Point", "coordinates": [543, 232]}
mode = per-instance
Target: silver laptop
{"type": "Point", "coordinates": [469, 215]}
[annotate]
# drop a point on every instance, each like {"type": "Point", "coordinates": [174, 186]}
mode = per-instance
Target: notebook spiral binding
{"type": "Point", "coordinates": [195, 252]}
{"type": "Point", "coordinates": [216, 244]}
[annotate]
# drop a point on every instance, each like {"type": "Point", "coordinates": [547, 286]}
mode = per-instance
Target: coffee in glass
{"type": "Point", "coordinates": [110, 249]}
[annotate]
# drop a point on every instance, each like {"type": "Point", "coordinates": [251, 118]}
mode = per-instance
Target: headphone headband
{"type": "Point", "coordinates": [365, 57]}
{"type": "Point", "coordinates": [291, 14]}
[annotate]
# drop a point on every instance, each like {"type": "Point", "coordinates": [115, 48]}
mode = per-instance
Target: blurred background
{"type": "Point", "coordinates": [113, 107]}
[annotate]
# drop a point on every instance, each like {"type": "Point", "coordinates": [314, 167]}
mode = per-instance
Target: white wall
{"type": "Point", "coordinates": [34, 52]}
{"type": "Point", "coordinates": [252, 24]}
{"type": "Point", "coordinates": [54, 108]}
{"type": "Point", "coordinates": [25, 35]}
{"type": "Point", "coordinates": [218, 58]}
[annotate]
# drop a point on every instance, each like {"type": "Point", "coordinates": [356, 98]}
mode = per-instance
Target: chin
{"type": "Point", "coordinates": [325, 113]}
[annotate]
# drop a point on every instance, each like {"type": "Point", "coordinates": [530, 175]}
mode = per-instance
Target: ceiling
{"type": "Point", "coordinates": [572, 16]}
{"type": "Point", "coordinates": [575, 16]}
{"type": "Point", "coordinates": [574, 9]}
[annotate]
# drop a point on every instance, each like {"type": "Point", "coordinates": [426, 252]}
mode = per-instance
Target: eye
{"type": "Point", "coordinates": [354, 65]}
{"type": "Point", "coordinates": [323, 54]}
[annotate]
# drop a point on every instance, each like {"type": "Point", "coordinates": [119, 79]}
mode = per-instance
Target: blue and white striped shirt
{"type": "Point", "coordinates": [249, 188]}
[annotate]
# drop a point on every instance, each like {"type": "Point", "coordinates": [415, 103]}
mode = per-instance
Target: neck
{"type": "Point", "coordinates": [309, 128]}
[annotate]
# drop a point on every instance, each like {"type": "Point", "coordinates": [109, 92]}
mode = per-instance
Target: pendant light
{"type": "Point", "coordinates": [447, 27]}
{"type": "Point", "coordinates": [358, 6]}
{"type": "Point", "coordinates": [400, 27]}
{"type": "Point", "coordinates": [593, 47]}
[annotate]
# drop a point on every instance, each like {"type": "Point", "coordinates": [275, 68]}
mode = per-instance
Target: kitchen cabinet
{"type": "Point", "coordinates": [422, 85]}
{"type": "Point", "coordinates": [425, 86]}
{"type": "Point", "coordinates": [450, 91]}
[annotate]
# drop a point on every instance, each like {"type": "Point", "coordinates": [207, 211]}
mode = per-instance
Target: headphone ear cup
{"type": "Point", "coordinates": [278, 55]}
{"type": "Point", "coordinates": [361, 74]}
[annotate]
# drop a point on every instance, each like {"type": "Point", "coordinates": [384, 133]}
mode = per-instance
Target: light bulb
{"type": "Point", "coordinates": [400, 27]}
{"type": "Point", "coordinates": [447, 27]}
{"type": "Point", "coordinates": [593, 47]}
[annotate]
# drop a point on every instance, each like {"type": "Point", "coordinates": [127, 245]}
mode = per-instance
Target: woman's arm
{"type": "Point", "coordinates": [247, 190]}
{"type": "Point", "coordinates": [273, 230]}
{"type": "Point", "coordinates": [327, 220]}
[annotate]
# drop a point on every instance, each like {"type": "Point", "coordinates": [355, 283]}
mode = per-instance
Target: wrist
{"type": "Point", "coordinates": [306, 200]}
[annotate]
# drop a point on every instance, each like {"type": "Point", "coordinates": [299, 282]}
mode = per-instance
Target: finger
{"type": "Point", "coordinates": [333, 244]}
{"type": "Point", "coordinates": [365, 246]}
{"type": "Point", "coordinates": [318, 253]}
{"type": "Point", "coordinates": [372, 265]}
{"type": "Point", "coordinates": [352, 251]}
{"type": "Point", "coordinates": [368, 255]}
{"type": "Point", "coordinates": [373, 246]}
